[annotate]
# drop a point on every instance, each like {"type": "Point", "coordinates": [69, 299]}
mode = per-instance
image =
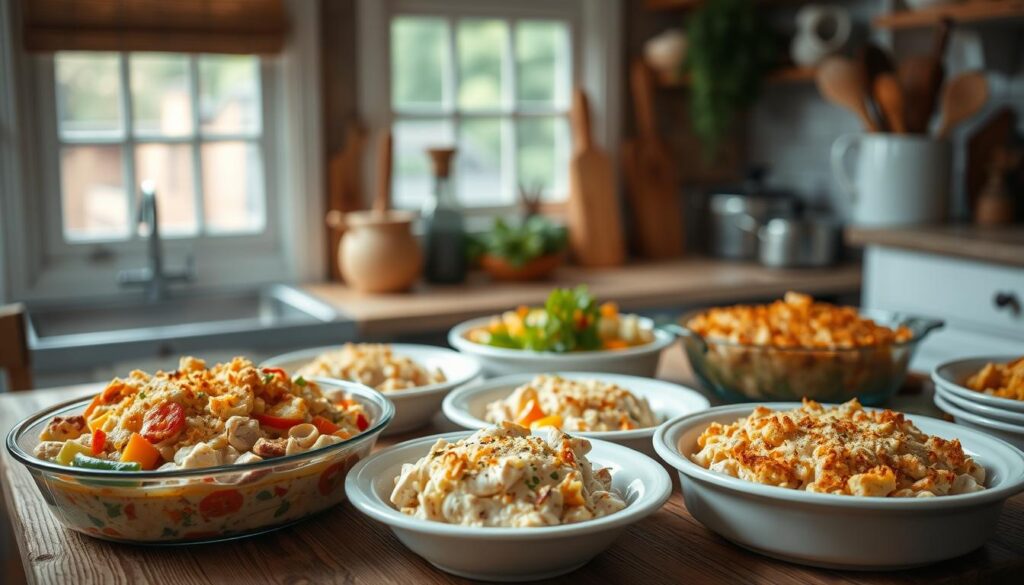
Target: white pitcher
{"type": "Point", "coordinates": [898, 179]}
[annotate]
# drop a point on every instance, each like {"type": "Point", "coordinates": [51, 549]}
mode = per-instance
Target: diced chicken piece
{"type": "Point", "coordinates": [63, 428]}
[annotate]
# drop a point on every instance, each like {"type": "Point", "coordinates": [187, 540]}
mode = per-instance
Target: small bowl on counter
{"type": "Point", "coordinates": [506, 553]}
{"type": "Point", "coordinates": [197, 505]}
{"type": "Point", "coordinates": [843, 531]}
{"type": "Point", "coordinates": [950, 379]}
{"type": "Point", "coordinates": [414, 407]}
{"type": "Point", "coordinates": [467, 406]}
{"type": "Point", "coordinates": [747, 372]}
{"type": "Point", "coordinates": [639, 360]}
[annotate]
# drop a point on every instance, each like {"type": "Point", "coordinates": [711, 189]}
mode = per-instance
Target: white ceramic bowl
{"type": "Point", "coordinates": [467, 406]}
{"type": "Point", "coordinates": [508, 554]}
{"type": "Point", "coordinates": [836, 531]}
{"type": "Point", "coordinates": [414, 407]}
{"type": "Point", "coordinates": [951, 375]}
{"type": "Point", "coordinates": [1008, 432]}
{"type": "Point", "coordinates": [641, 360]}
{"type": "Point", "coordinates": [980, 409]}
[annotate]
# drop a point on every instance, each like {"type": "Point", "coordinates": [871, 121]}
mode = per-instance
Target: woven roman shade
{"type": "Point", "coordinates": [181, 26]}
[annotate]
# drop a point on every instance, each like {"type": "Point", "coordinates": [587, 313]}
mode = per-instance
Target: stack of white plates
{"type": "Point", "coordinates": [1001, 417]}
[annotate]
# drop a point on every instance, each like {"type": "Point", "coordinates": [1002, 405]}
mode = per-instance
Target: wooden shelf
{"type": "Point", "coordinates": [971, 12]}
{"type": "Point", "coordinates": [790, 74]}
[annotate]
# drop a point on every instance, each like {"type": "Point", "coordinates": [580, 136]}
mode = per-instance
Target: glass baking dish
{"type": "Point", "coordinates": [743, 373]}
{"type": "Point", "coordinates": [197, 505]}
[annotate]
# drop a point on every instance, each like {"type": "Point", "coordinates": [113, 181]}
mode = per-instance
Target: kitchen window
{"type": "Point", "coordinates": [192, 124]}
{"type": "Point", "coordinates": [492, 78]}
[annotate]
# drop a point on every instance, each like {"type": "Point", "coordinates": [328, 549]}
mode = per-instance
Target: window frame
{"type": "Point", "coordinates": [595, 32]}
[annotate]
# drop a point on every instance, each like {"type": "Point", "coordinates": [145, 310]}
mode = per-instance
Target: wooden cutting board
{"type": "Point", "coordinates": [651, 178]}
{"type": "Point", "coordinates": [594, 218]}
{"type": "Point", "coordinates": [344, 188]}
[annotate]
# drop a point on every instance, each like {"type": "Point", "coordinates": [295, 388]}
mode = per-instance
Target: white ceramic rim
{"type": "Point", "coordinates": [357, 486]}
{"type": "Point", "coordinates": [398, 348]}
{"type": "Point", "coordinates": [997, 449]}
{"type": "Point", "coordinates": [983, 421]}
{"type": "Point", "coordinates": [466, 419]}
{"type": "Point", "coordinates": [941, 377]}
{"type": "Point", "coordinates": [1012, 417]}
{"type": "Point", "coordinates": [457, 339]}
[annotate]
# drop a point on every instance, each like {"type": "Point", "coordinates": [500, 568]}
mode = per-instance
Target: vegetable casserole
{"type": "Point", "coordinates": [1000, 380]}
{"type": "Point", "coordinates": [373, 364]}
{"type": "Point", "coordinates": [573, 405]}
{"type": "Point", "coordinates": [504, 476]}
{"type": "Point", "coordinates": [839, 450]}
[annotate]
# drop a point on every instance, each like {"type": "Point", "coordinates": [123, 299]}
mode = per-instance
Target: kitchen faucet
{"type": "Point", "coordinates": [154, 278]}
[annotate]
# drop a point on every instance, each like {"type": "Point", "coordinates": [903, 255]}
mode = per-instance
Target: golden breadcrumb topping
{"type": "Point", "coordinates": [795, 321]}
{"type": "Point", "coordinates": [1002, 380]}
{"type": "Point", "coordinates": [839, 450]}
{"type": "Point", "coordinates": [373, 364]}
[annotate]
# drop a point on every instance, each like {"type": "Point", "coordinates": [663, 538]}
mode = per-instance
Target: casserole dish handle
{"type": "Point", "coordinates": [680, 331]}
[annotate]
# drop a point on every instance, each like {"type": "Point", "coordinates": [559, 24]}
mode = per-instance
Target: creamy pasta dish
{"type": "Point", "coordinates": [839, 450]}
{"type": "Point", "coordinates": [504, 476]}
{"type": "Point", "coordinates": [195, 416]}
{"type": "Point", "coordinates": [1001, 380]}
{"type": "Point", "coordinates": [573, 405]}
{"type": "Point", "coordinates": [372, 364]}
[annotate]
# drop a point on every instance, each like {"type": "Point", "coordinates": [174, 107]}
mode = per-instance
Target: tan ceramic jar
{"type": "Point", "coordinates": [378, 252]}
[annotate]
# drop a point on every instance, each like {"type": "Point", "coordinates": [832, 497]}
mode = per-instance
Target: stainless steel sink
{"type": "Point", "coordinates": [63, 336]}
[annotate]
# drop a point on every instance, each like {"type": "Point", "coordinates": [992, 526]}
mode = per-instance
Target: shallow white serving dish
{"type": "Point", "coordinates": [414, 407]}
{"type": "Point", "coordinates": [1008, 432]}
{"type": "Point", "coordinates": [467, 406]}
{"type": "Point", "coordinates": [641, 360]}
{"type": "Point", "coordinates": [951, 374]}
{"type": "Point", "coordinates": [508, 554]}
{"type": "Point", "coordinates": [836, 531]}
{"type": "Point", "coordinates": [981, 409]}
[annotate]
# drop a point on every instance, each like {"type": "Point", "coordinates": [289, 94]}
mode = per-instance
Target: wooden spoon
{"type": "Point", "coordinates": [965, 96]}
{"type": "Point", "coordinates": [875, 61]}
{"type": "Point", "coordinates": [921, 78]}
{"type": "Point", "coordinates": [889, 96]}
{"type": "Point", "coordinates": [382, 200]}
{"type": "Point", "coordinates": [841, 81]}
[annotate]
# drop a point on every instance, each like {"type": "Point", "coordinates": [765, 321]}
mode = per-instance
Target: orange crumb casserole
{"type": "Point", "coordinates": [1000, 380]}
{"type": "Point", "coordinates": [797, 321]}
{"type": "Point", "coordinates": [842, 450]}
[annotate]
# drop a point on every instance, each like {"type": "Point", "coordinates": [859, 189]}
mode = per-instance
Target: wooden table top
{"type": "Point", "coordinates": [999, 244]}
{"type": "Point", "coordinates": [635, 286]}
{"type": "Point", "coordinates": [343, 546]}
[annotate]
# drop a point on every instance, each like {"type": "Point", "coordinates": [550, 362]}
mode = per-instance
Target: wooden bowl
{"type": "Point", "coordinates": [539, 268]}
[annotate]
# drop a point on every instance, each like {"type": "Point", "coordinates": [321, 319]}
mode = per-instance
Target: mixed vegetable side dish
{"type": "Point", "coordinates": [570, 320]}
{"type": "Point", "coordinates": [195, 416]}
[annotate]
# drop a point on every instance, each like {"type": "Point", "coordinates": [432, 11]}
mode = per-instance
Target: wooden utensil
{"type": "Point", "coordinates": [875, 61]}
{"type": "Point", "coordinates": [595, 228]}
{"type": "Point", "coordinates": [653, 184]}
{"type": "Point", "coordinates": [841, 82]}
{"type": "Point", "coordinates": [344, 178]}
{"type": "Point", "coordinates": [889, 97]}
{"type": "Point", "coordinates": [964, 96]}
{"type": "Point", "coordinates": [382, 199]}
{"type": "Point", "coordinates": [921, 78]}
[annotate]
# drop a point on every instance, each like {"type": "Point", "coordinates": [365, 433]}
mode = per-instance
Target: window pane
{"type": "Point", "coordinates": [169, 166]}
{"type": "Point", "coordinates": [543, 156]}
{"type": "Point", "coordinates": [542, 58]}
{"type": "Point", "coordinates": [232, 187]}
{"type": "Point", "coordinates": [412, 181]}
{"type": "Point", "coordinates": [161, 103]}
{"type": "Point", "coordinates": [88, 93]}
{"type": "Point", "coordinates": [481, 46]}
{"type": "Point", "coordinates": [229, 94]}
{"type": "Point", "coordinates": [92, 193]}
{"type": "Point", "coordinates": [479, 163]}
{"type": "Point", "coordinates": [419, 62]}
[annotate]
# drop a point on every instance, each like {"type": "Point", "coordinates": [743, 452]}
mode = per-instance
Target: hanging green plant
{"type": "Point", "coordinates": [730, 50]}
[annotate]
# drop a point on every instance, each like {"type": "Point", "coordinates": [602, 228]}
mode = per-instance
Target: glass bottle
{"type": "Point", "coordinates": [444, 230]}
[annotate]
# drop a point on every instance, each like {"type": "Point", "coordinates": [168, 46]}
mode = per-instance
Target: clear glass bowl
{"type": "Point", "coordinates": [744, 373]}
{"type": "Point", "coordinates": [196, 505]}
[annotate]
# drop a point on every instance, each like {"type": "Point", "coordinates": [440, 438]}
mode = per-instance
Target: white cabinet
{"type": "Point", "coordinates": [982, 303]}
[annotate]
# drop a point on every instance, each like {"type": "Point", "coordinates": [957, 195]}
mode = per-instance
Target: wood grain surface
{"type": "Point", "coordinates": [343, 546]}
{"type": "Point", "coordinates": [999, 245]}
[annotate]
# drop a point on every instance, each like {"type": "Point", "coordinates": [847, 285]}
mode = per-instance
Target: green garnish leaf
{"type": "Point", "coordinates": [299, 381]}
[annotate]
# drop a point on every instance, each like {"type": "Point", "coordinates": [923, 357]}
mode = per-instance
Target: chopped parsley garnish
{"type": "Point", "coordinates": [300, 381]}
{"type": "Point", "coordinates": [142, 395]}
{"type": "Point", "coordinates": [267, 378]}
{"type": "Point", "coordinates": [554, 475]}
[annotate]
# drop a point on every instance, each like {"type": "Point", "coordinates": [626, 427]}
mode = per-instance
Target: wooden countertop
{"type": "Point", "coordinates": [1002, 245]}
{"type": "Point", "coordinates": [633, 287]}
{"type": "Point", "coordinates": [342, 545]}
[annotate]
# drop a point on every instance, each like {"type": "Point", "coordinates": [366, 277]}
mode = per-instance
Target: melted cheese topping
{"type": "Point", "coordinates": [504, 476]}
{"type": "Point", "coordinates": [840, 450]}
{"type": "Point", "coordinates": [1002, 380]}
{"type": "Point", "coordinates": [374, 365]}
{"type": "Point", "coordinates": [573, 405]}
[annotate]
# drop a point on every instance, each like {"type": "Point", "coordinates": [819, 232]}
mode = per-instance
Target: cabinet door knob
{"type": "Point", "coordinates": [1008, 301]}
